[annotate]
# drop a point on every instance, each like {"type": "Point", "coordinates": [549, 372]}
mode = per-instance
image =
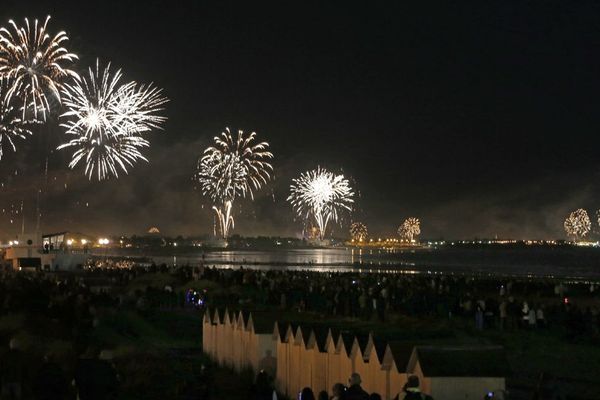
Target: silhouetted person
{"type": "Point", "coordinates": [307, 394]}
{"type": "Point", "coordinates": [413, 391]}
{"type": "Point", "coordinates": [263, 386]}
{"type": "Point", "coordinates": [339, 391]}
{"type": "Point", "coordinates": [355, 391]}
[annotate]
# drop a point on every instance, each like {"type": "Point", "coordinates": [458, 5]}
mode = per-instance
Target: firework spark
{"type": "Point", "coordinates": [358, 232]}
{"type": "Point", "coordinates": [12, 126]}
{"type": "Point", "coordinates": [35, 64]}
{"type": "Point", "coordinates": [107, 120]}
{"type": "Point", "coordinates": [410, 228]}
{"type": "Point", "coordinates": [233, 168]}
{"type": "Point", "coordinates": [320, 195]}
{"type": "Point", "coordinates": [578, 224]}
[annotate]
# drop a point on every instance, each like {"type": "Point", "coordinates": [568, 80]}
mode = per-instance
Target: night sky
{"type": "Point", "coordinates": [480, 118]}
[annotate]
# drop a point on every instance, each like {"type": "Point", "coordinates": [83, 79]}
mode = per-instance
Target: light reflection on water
{"type": "Point", "coordinates": [339, 258]}
{"type": "Point", "coordinates": [363, 260]}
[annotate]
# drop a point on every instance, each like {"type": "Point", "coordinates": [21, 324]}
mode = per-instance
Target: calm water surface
{"type": "Point", "coordinates": [563, 262]}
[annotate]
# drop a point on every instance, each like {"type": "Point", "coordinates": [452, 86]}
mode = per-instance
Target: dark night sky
{"type": "Point", "coordinates": [481, 118]}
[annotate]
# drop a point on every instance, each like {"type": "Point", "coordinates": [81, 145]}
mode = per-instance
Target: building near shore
{"type": "Point", "coordinates": [34, 252]}
{"type": "Point", "coordinates": [64, 240]}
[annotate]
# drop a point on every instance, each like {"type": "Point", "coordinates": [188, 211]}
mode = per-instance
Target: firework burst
{"type": "Point", "coordinates": [320, 195]}
{"type": "Point", "coordinates": [233, 167]}
{"type": "Point", "coordinates": [107, 120]}
{"type": "Point", "coordinates": [12, 126]}
{"type": "Point", "coordinates": [410, 228]}
{"type": "Point", "coordinates": [35, 64]}
{"type": "Point", "coordinates": [358, 232]}
{"type": "Point", "coordinates": [578, 224]}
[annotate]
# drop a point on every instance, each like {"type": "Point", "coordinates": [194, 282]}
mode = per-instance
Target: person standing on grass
{"type": "Point", "coordinates": [502, 308]}
{"type": "Point", "coordinates": [539, 316]}
{"type": "Point", "coordinates": [531, 319]}
{"type": "Point", "coordinates": [479, 317]}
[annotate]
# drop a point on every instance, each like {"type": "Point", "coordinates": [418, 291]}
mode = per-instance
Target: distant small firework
{"type": "Point", "coordinates": [12, 126]}
{"type": "Point", "coordinates": [410, 228]}
{"type": "Point", "coordinates": [35, 64]}
{"type": "Point", "coordinates": [233, 167]}
{"type": "Point", "coordinates": [320, 195]}
{"type": "Point", "coordinates": [358, 232]}
{"type": "Point", "coordinates": [107, 120]}
{"type": "Point", "coordinates": [578, 224]}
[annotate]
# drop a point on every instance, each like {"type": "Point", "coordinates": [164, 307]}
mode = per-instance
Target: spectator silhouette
{"type": "Point", "coordinates": [355, 391]}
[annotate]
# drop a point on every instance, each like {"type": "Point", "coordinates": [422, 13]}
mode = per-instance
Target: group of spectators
{"type": "Point", "coordinates": [45, 352]}
{"type": "Point", "coordinates": [68, 305]}
{"type": "Point", "coordinates": [492, 303]}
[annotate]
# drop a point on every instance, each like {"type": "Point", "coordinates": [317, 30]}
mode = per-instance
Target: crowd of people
{"type": "Point", "coordinates": [48, 345]}
{"type": "Point", "coordinates": [492, 303]}
{"type": "Point", "coordinates": [69, 364]}
{"type": "Point", "coordinates": [50, 355]}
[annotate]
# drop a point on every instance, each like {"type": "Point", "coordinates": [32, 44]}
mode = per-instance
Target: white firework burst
{"type": "Point", "coordinates": [35, 64]}
{"type": "Point", "coordinates": [233, 167]}
{"type": "Point", "coordinates": [320, 195]}
{"type": "Point", "coordinates": [107, 120]}
{"type": "Point", "coordinates": [410, 228]}
{"type": "Point", "coordinates": [578, 224]}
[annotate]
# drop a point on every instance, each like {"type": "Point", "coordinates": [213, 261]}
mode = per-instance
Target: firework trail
{"type": "Point", "coordinates": [233, 167]}
{"type": "Point", "coordinates": [12, 126]}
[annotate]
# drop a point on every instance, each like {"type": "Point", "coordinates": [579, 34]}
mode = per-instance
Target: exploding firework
{"type": "Point", "coordinates": [35, 64]}
{"type": "Point", "coordinates": [233, 167]}
{"type": "Point", "coordinates": [12, 126]}
{"type": "Point", "coordinates": [358, 232]}
{"type": "Point", "coordinates": [320, 195]}
{"type": "Point", "coordinates": [410, 228]}
{"type": "Point", "coordinates": [107, 120]}
{"type": "Point", "coordinates": [578, 224]}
